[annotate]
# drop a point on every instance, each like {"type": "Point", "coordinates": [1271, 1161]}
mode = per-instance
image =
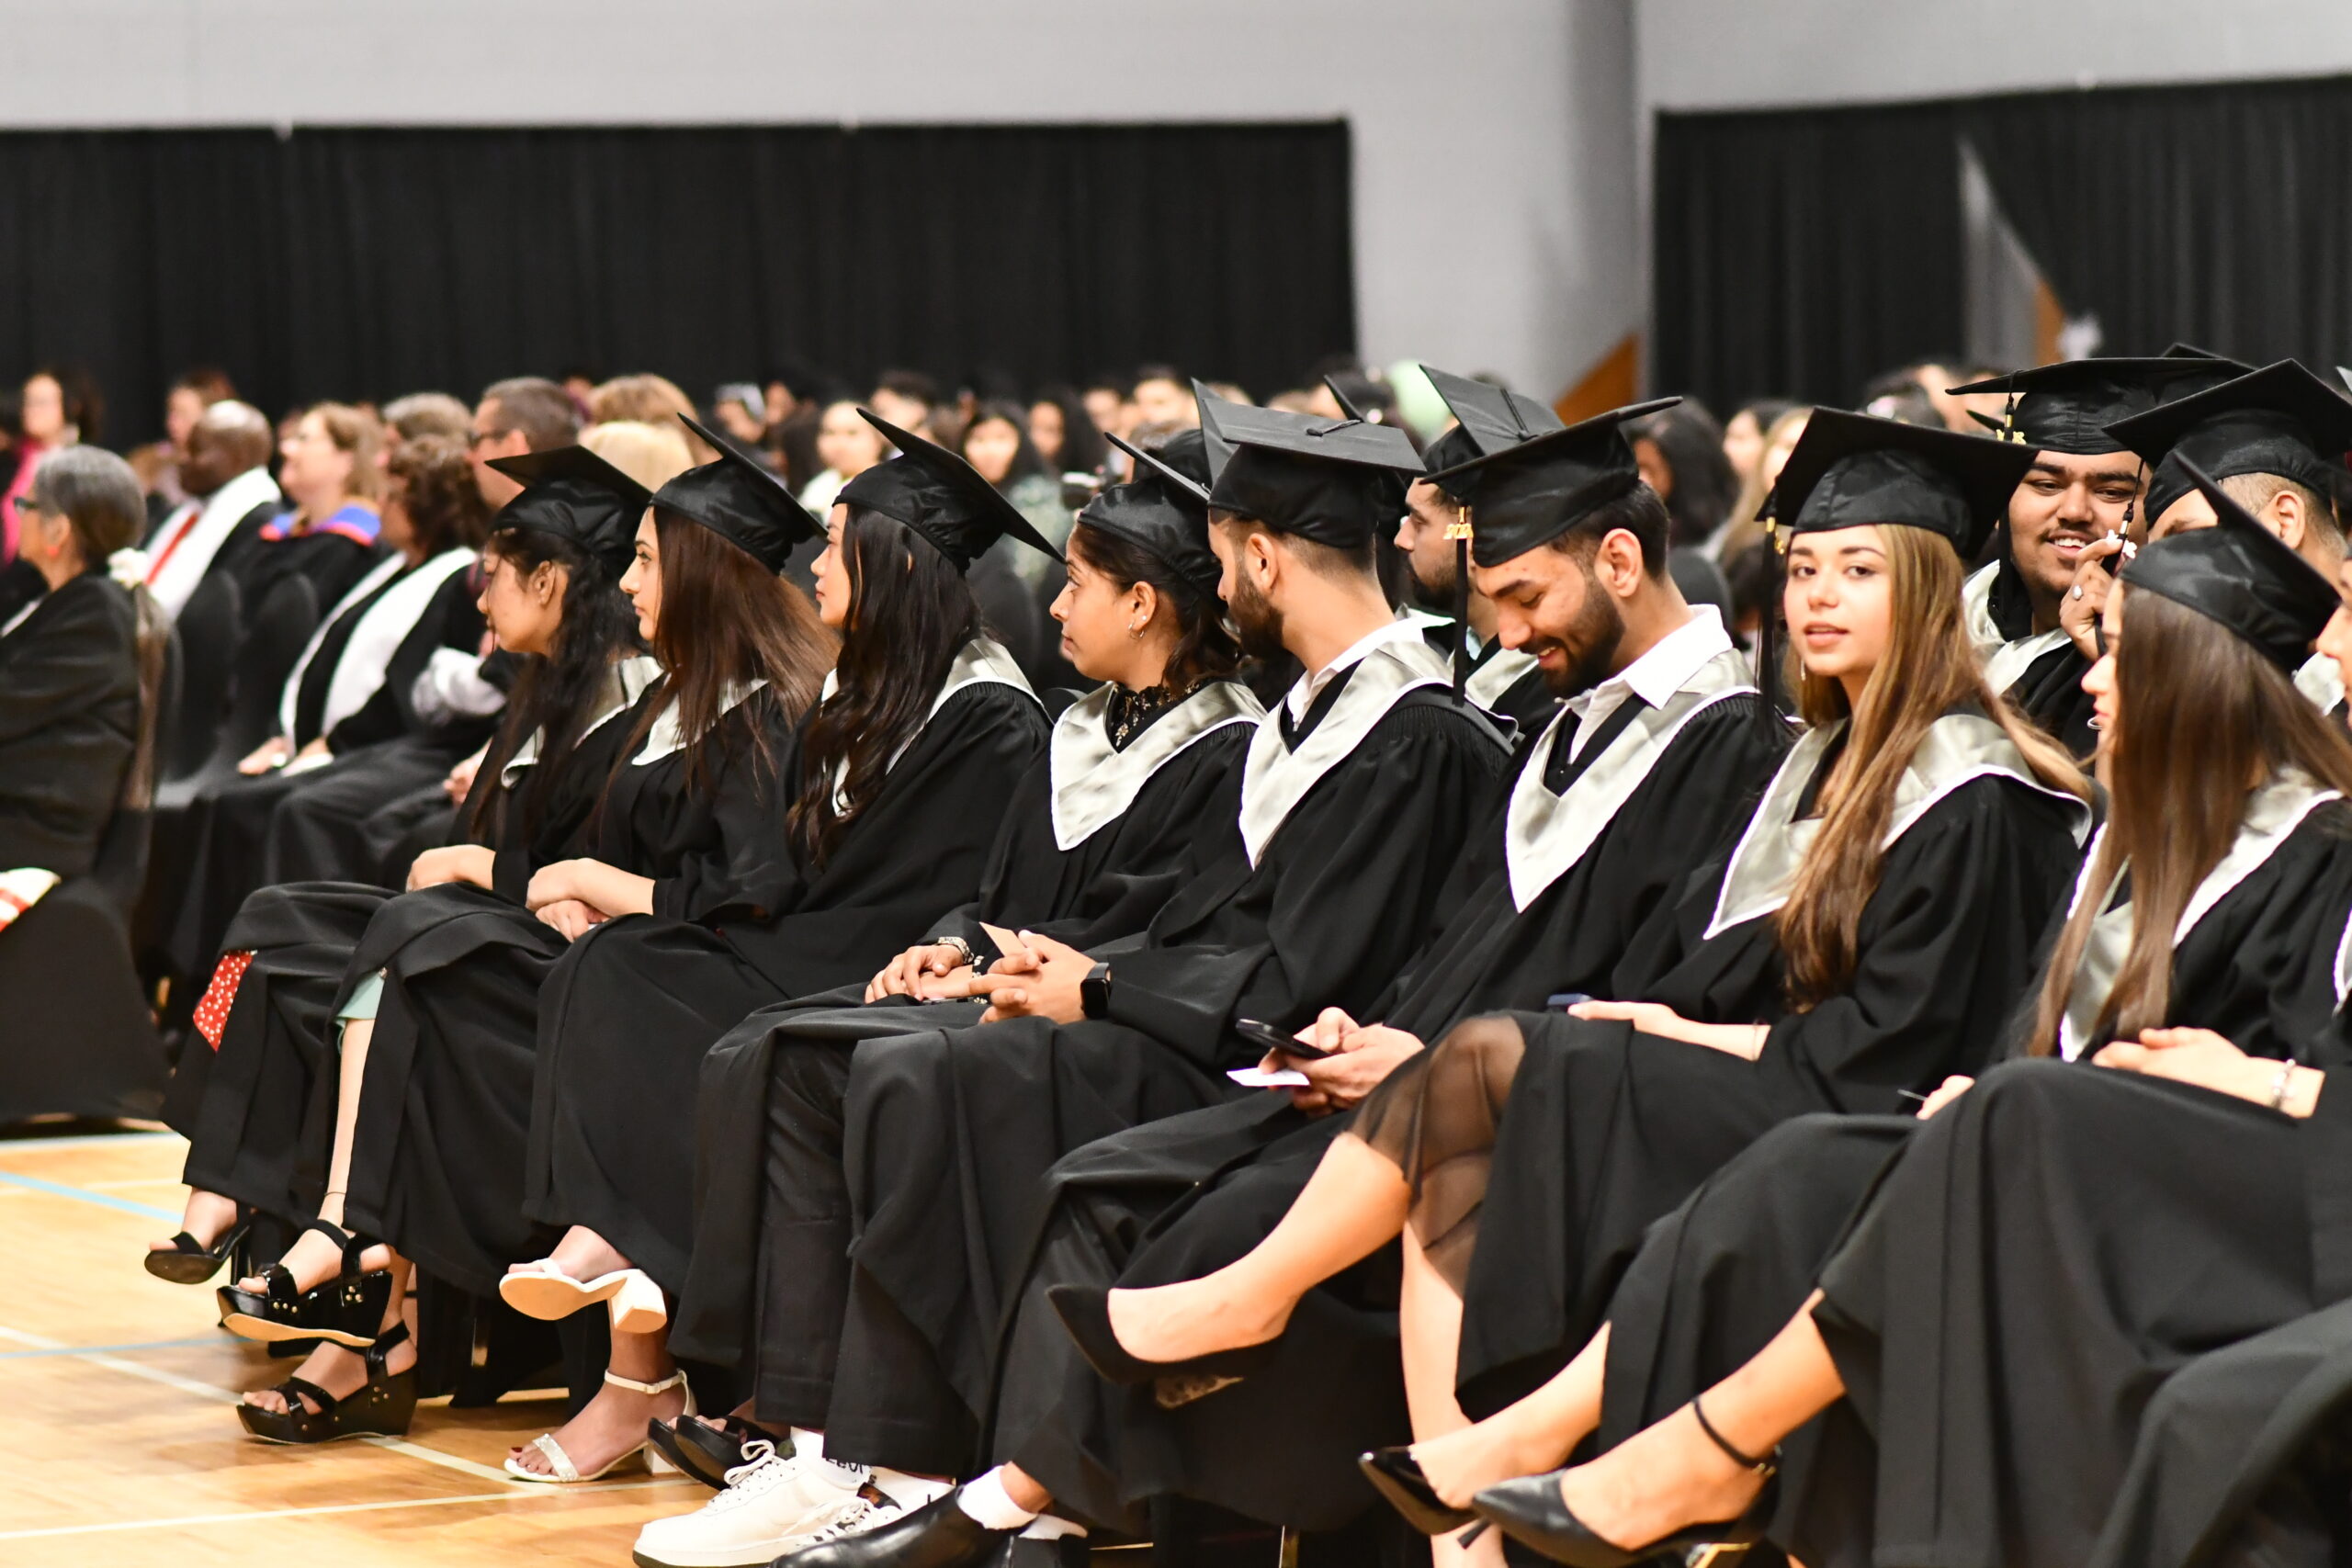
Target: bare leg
{"type": "Point", "coordinates": [1430, 1326]}
{"type": "Point", "coordinates": [344, 1372]}
{"type": "Point", "coordinates": [585, 1255]}
{"type": "Point", "coordinates": [1671, 1475]}
{"type": "Point", "coordinates": [1355, 1203]}
{"type": "Point", "coordinates": [613, 1422]}
{"type": "Point", "coordinates": [313, 1259]}
{"type": "Point", "coordinates": [1024, 1492]}
{"type": "Point", "coordinates": [207, 1216]}
{"type": "Point", "coordinates": [1526, 1439]}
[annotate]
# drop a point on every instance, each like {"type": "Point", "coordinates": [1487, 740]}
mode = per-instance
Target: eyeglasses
{"type": "Point", "coordinates": [475, 438]}
{"type": "Point", "coordinates": [28, 507]}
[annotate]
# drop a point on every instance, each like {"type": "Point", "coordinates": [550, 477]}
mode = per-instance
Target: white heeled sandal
{"type": "Point", "coordinates": [566, 1473]}
{"type": "Point", "coordinates": [542, 1290]}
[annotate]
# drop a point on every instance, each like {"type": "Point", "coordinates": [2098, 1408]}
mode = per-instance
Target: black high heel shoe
{"type": "Point", "coordinates": [1085, 1311]}
{"type": "Point", "coordinates": [347, 1310]}
{"type": "Point", "coordinates": [381, 1407]}
{"type": "Point", "coordinates": [187, 1261]}
{"type": "Point", "coordinates": [1397, 1475]}
{"type": "Point", "coordinates": [1530, 1511]}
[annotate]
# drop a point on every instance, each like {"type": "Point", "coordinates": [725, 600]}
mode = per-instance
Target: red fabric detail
{"type": "Point", "coordinates": [212, 1012]}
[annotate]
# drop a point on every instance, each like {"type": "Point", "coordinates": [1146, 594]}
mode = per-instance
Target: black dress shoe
{"type": "Point", "coordinates": [1397, 1476]}
{"type": "Point", "coordinates": [703, 1450]}
{"type": "Point", "coordinates": [347, 1310]}
{"type": "Point", "coordinates": [1530, 1511]}
{"type": "Point", "coordinates": [1085, 1311]}
{"type": "Point", "coordinates": [939, 1534]}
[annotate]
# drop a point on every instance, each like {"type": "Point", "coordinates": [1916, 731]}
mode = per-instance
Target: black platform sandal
{"type": "Point", "coordinates": [187, 1261]}
{"type": "Point", "coordinates": [381, 1407]}
{"type": "Point", "coordinates": [1085, 1311]}
{"type": "Point", "coordinates": [708, 1450]}
{"type": "Point", "coordinates": [347, 1310]}
{"type": "Point", "coordinates": [1530, 1511]}
{"type": "Point", "coordinates": [1397, 1475]}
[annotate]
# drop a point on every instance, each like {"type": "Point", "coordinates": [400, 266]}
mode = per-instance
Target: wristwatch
{"type": "Point", "coordinates": [1094, 992]}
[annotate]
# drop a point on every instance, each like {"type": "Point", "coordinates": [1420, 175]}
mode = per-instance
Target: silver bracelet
{"type": "Point", "coordinates": [963, 947]}
{"type": "Point", "coordinates": [2280, 1086]}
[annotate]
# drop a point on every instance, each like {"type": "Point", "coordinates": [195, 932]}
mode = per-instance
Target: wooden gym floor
{"type": "Point", "coordinates": [117, 1446]}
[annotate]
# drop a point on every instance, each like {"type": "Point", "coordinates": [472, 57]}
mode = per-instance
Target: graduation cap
{"type": "Point", "coordinates": [1532, 491]}
{"type": "Point", "coordinates": [1335, 481]}
{"type": "Point", "coordinates": [2243, 575]}
{"type": "Point", "coordinates": [740, 499]}
{"type": "Point", "coordinates": [572, 493]}
{"type": "Point", "coordinates": [2278, 420]}
{"type": "Point", "coordinates": [1850, 470]}
{"type": "Point", "coordinates": [941, 496]}
{"type": "Point", "coordinates": [1165, 508]}
{"type": "Point", "coordinates": [1491, 418]}
{"type": "Point", "coordinates": [2068, 407]}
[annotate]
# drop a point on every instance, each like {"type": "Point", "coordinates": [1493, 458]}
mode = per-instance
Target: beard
{"type": "Point", "coordinates": [1256, 624]}
{"type": "Point", "coordinates": [1436, 592]}
{"type": "Point", "coordinates": [1590, 644]}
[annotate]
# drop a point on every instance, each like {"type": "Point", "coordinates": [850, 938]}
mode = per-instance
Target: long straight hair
{"type": "Point", "coordinates": [726, 621]}
{"type": "Point", "coordinates": [554, 693]}
{"type": "Point", "coordinates": [1929, 667]}
{"type": "Point", "coordinates": [2206, 721]}
{"type": "Point", "coordinates": [909, 610]}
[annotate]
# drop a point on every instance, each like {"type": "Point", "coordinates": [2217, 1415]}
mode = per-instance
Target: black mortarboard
{"type": "Point", "coordinates": [1850, 470]}
{"type": "Point", "coordinates": [1490, 418]}
{"type": "Point", "coordinates": [2067, 407]}
{"type": "Point", "coordinates": [941, 496]}
{"type": "Point", "coordinates": [1535, 491]}
{"type": "Point", "coordinates": [2278, 420]}
{"type": "Point", "coordinates": [572, 493]}
{"type": "Point", "coordinates": [740, 499]}
{"type": "Point", "coordinates": [1164, 508]}
{"type": "Point", "coordinates": [2243, 575]}
{"type": "Point", "coordinates": [1335, 481]}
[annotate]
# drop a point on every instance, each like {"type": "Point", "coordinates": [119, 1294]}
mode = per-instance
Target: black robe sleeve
{"type": "Point", "coordinates": [567, 809]}
{"type": "Point", "coordinates": [69, 718]}
{"type": "Point", "coordinates": [1113, 883]}
{"type": "Point", "coordinates": [743, 865]}
{"type": "Point", "coordinates": [1341, 896]}
{"type": "Point", "coordinates": [1948, 945]}
{"type": "Point", "coordinates": [915, 852]}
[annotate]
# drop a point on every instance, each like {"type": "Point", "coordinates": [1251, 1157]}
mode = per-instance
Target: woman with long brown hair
{"type": "Point", "coordinates": [243, 1087]}
{"type": "Point", "coordinates": [904, 772]}
{"type": "Point", "coordinates": [1993, 1330]}
{"type": "Point", "coordinates": [1862, 938]}
{"type": "Point", "coordinates": [440, 1000]}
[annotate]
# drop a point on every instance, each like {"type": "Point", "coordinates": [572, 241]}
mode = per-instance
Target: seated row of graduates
{"type": "Point", "coordinates": [894, 1208]}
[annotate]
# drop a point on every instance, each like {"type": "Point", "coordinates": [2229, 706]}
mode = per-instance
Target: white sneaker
{"type": "Point", "coordinates": [865, 1514]}
{"type": "Point", "coordinates": [772, 1505]}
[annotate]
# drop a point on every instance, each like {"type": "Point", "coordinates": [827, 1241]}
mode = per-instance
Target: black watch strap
{"type": "Point", "coordinates": [1094, 992]}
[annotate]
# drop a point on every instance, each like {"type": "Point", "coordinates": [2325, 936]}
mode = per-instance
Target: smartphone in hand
{"type": "Point", "coordinates": [1265, 1036]}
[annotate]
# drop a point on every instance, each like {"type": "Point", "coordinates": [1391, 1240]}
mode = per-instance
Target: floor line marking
{"type": "Point", "coordinates": [105, 1349]}
{"type": "Point", "coordinates": [187, 1521]}
{"type": "Point", "coordinates": [84, 1195]}
{"type": "Point", "coordinates": [81, 1141]}
{"type": "Point", "coordinates": [219, 1395]}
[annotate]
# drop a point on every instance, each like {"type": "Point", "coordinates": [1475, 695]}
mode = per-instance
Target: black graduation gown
{"type": "Point", "coordinates": [637, 1004]}
{"type": "Point", "coordinates": [327, 561]}
{"type": "Point", "coordinates": [1607, 1130]}
{"type": "Point", "coordinates": [1717, 1279]}
{"type": "Point", "coordinates": [69, 723]}
{"type": "Point", "coordinates": [780, 1219]}
{"type": "Point", "coordinates": [438, 1157]}
{"type": "Point", "coordinates": [229, 828]}
{"type": "Point", "coordinates": [385, 753]}
{"type": "Point", "coordinates": [948, 1135]}
{"type": "Point", "coordinates": [2049, 688]}
{"type": "Point", "coordinates": [1178, 1199]}
{"type": "Point", "coordinates": [2046, 1252]}
{"type": "Point", "coordinates": [256, 1114]}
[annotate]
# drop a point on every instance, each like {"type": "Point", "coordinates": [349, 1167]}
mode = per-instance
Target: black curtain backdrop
{"type": "Point", "coordinates": [1800, 252]}
{"type": "Point", "coordinates": [371, 262]}
{"type": "Point", "coordinates": [1797, 254]}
